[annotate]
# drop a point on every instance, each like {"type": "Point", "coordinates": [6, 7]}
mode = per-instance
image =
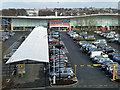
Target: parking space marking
{"type": "Point", "coordinates": [65, 49]}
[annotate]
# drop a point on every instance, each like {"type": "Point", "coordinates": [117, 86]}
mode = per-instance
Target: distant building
{"type": "Point", "coordinates": [32, 12]}
{"type": "Point", "coordinates": [46, 13]}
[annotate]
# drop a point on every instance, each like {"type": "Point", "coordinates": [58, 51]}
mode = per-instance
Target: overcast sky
{"type": "Point", "coordinates": [60, 0]}
{"type": "Point", "coordinates": [54, 3]}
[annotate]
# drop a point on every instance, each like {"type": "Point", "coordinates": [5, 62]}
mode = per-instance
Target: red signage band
{"type": "Point", "coordinates": [54, 21]}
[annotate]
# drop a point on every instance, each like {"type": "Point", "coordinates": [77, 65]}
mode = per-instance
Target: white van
{"type": "Point", "coordinates": [97, 53]}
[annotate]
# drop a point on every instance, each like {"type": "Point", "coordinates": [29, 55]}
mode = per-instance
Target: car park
{"type": "Point", "coordinates": [58, 60]}
{"type": "Point", "coordinates": [100, 52]}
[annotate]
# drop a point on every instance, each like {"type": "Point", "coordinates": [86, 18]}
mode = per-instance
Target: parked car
{"type": "Point", "coordinates": [6, 57]}
{"type": "Point", "coordinates": [105, 63]}
{"type": "Point", "coordinates": [108, 49]}
{"type": "Point", "coordinates": [119, 41]}
{"type": "Point", "coordinates": [53, 41]}
{"type": "Point", "coordinates": [112, 54]}
{"type": "Point", "coordinates": [64, 73]}
{"type": "Point", "coordinates": [116, 58]}
{"type": "Point", "coordinates": [11, 33]}
{"type": "Point", "coordinates": [59, 45]}
{"type": "Point", "coordinates": [97, 53]}
{"type": "Point", "coordinates": [101, 60]}
{"type": "Point", "coordinates": [56, 51]}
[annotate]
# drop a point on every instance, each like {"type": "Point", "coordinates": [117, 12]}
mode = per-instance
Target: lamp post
{"type": "Point", "coordinates": [54, 68]}
{"type": "Point", "coordinates": [59, 53]}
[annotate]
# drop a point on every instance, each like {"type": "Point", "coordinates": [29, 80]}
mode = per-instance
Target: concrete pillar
{"type": "Point", "coordinates": [11, 27]}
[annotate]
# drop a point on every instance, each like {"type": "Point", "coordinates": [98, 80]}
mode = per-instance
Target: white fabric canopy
{"type": "Point", "coordinates": [35, 47]}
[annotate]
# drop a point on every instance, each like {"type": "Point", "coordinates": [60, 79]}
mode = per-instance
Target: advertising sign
{"type": "Point", "coordinates": [58, 21]}
{"type": "Point", "coordinates": [21, 68]}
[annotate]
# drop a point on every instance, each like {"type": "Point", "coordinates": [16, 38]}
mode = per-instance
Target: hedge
{"type": "Point", "coordinates": [86, 39]}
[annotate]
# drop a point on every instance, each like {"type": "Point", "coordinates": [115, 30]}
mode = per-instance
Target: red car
{"type": "Point", "coordinates": [54, 41]}
{"type": "Point", "coordinates": [54, 57]}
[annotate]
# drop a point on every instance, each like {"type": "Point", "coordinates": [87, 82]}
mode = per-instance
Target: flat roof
{"type": "Point", "coordinates": [56, 17]}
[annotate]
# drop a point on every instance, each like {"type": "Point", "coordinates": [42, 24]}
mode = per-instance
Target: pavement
{"type": "Point", "coordinates": [35, 77]}
{"type": "Point", "coordinates": [88, 77]}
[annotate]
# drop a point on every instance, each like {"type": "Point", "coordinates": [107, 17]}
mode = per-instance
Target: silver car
{"type": "Point", "coordinates": [64, 73]}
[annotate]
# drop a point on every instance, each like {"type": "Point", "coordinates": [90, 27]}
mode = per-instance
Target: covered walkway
{"type": "Point", "coordinates": [35, 47]}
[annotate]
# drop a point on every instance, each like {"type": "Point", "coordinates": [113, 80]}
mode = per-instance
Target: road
{"type": "Point", "coordinates": [88, 77]}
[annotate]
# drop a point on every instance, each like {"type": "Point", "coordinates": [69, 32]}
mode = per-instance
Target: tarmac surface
{"type": "Point", "coordinates": [88, 77]}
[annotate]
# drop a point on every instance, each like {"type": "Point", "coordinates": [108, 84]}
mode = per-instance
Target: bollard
{"type": "Point", "coordinates": [114, 71]}
{"type": "Point", "coordinates": [54, 79]}
{"type": "Point", "coordinates": [75, 71]}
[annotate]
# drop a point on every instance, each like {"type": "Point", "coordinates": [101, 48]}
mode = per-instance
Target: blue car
{"type": "Point", "coordinates": [105, 62]}
{"type": "Point", "coordinates": [116, 58]}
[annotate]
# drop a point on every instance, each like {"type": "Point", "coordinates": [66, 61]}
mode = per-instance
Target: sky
{"type": "Point", "coordinates": [42, 4]}
{"type": "Point", "coordinates": [60, 0]}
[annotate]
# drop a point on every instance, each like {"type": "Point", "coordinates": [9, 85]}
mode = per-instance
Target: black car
{"type": "Point", "coordinates": [110, 55]}
{"type": "Point", "coordinates": [60, 46]}
{"type": "Point", "coordinates": [108, 50]}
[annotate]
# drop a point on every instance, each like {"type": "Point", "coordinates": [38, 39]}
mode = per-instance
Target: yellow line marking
{"type": "Point", "coordinates": [88, 65]}
{"type": "Point", "coordinates": [102, 65]}
{"type": "Point", "coordinates": [82, 65]}
{"type": "Point", "coordinates": [96, 64]}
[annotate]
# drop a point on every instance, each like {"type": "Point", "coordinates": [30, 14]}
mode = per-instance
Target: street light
{"type": "Point", "coordinates": [54, 69]}
{"type": "Point", "coordinates": [59, 53]}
